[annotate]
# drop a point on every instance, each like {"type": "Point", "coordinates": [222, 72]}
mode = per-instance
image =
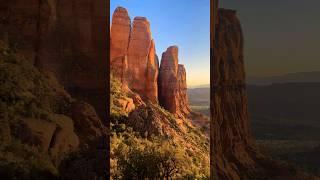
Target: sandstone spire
{"type": "Point", "coordinates": [151, 90]}
{"type": "Point", "coordinates": [230, 122]}
{"type": "Point", "coordinates": [172, 83]}
{"type": "Point", "coordinates": [182, 90]}
{"type": "Point", "coordinates": [120, 33]}
{"type": "Point", "coordinates": [142, 69]}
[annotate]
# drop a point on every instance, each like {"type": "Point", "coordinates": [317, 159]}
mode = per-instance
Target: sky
{"type": "Point", "coordinates": [185, 23]}
{"type": "Point", "coordinates": [280, 36]}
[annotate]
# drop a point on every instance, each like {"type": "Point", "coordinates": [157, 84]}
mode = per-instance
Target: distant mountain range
{"type": "Point", "coordinates": [299, 77]}
{"type": "Point", "coordinates": [287, 78]}
{"type": "Point", "coordinates": [199, 86]}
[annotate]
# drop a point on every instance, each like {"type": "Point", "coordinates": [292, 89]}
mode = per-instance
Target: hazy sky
{"type": "Point", "coordinates": [281, 36]}
{"type": "Point", "coordinates": [185, 23]}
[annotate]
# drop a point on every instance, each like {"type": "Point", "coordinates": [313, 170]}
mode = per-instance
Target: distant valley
{"type": "Point", "coordinates": [300, 77]}
{"type": "Point", "coordinates": [283, 114]}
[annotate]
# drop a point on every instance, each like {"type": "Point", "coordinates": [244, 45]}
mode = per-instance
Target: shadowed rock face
{"type": "Point", "coordinates": [66, 37]}
{"type": "Point", "coordinates": [69, 39]}
{"type": "Point", "coordinates": [133, 55]}
{"type": "Point", "coordinates": [230, 134]}
{"type": "Point", "coordinates": [182, 90]}
{"type": "Point", "coordinates": [172, 83]}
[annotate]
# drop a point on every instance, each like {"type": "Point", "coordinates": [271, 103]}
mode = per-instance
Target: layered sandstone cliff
{"type": "Point", "coordinates": [141, 60]}
{"type": "Point", "coordinates": [119, 41]}
{"type": "Point", "coordinates": [133, 56]}
{"type": "Point", "coordinates": [135, 64]}
{"type": "Point", "coordinates": [172, 83]}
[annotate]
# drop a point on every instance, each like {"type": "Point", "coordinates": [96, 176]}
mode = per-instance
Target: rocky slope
{"type": "Point", "coordinates": [65, 39]}
{"type": "Point", "coordinates": [38, 115]}
{"type": "Point", "coordinates": [147, 129]}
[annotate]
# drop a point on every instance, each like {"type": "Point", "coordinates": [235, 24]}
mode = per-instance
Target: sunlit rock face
{"type": "Point", "coordinates": [172, 83]}
{"type": "Point", "coordinates": [151, 91]}
{"type": "Point", "coordinates": [119, 41]}
{"type": "Point", "coordinates": [133, 55]}
{"type": "Point", "coordinates": [135, 63]}
{"type": "Point", "coordinates": [142, 69]}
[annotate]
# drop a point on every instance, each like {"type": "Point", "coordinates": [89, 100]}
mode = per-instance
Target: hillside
{"type": "Point", "coordinates": [150, 131]}
{"type": "Point", "coordinates": [42, 125]}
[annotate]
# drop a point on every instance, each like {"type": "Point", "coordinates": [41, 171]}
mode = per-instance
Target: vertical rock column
{"type": "Point", "coordinates": [119, 41]}
{"type": "Point", "coordinates": [182, 90]}
{"type": "Point", "coordinates": [142, 70]}
{"type": "Point", "coordinates": [172, 84]}
{"type": "Point", "coordinates": [151, 89]}
{"type": "Point", "coordinates": [230, 124]}
{"type": "Point", "coordinates": [133, 55]}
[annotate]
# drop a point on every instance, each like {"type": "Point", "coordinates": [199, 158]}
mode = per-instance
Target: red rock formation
{"type": "Point", "coordinates": [172, 83]}
{"type": "Point", "coordinates": [230, 127]}
{"type": "Point", "coordinates": [151, 89]}
{"type": "Point", "coordinates": [67, 38]}
{"type": "Point", "coordinates": [142, 72]}
{"type": "Point", "coordinates": [133, 56]}
{"type": "Point", "coordinates": [182, 90]}
{"type": "Point", "coordinates": [119, 41]}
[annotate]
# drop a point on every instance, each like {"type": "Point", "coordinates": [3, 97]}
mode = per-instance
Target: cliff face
{"type": "Point", "coordinates": [139, 61]}
{"type": "Point", "coordinates": [182, 90]}
{"type": "Point", "coordinates": [120, 33]}
{"type": "Point", "coordinates": [172, 83]}
{"type": "Point", "coordinates": [135, 64]}
{"type": "Point", "coordinates": [151, 87]}
{"type": "Point", "coordinates": [133, 55]}
{"type": "Point", "coordinates": [230, 127]}
{"type": "Point", "coordinates": [234, 155]}
{"type": "Point", "coordinates": [68, 39]}
{"type": "Point", "coordinates": [64, 37]}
